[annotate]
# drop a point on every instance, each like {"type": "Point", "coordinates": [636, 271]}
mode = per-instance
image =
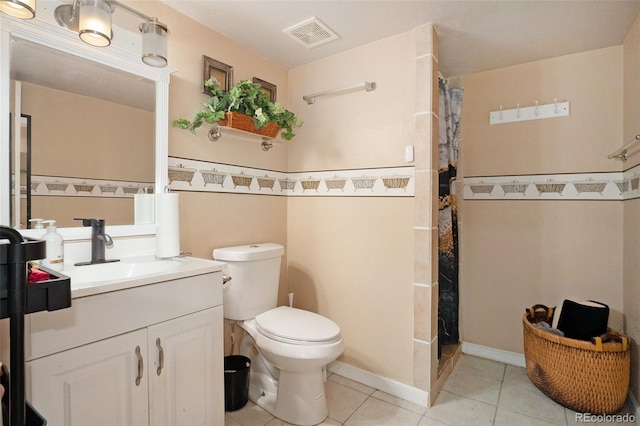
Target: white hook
{"type": "Point", "coordinates": [536, 111]}
{"type": "Point", "coordinates": [500, 112]}
{"type": "Point", "coordinates": [555, 105]}
{"type": "Point", "coordinates": [518, 111]}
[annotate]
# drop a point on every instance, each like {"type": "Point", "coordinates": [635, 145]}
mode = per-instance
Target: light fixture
{"type": "Point", "coordinates": [23, 9]}
{"type": "Point", "coordinates": [91, 19]}
{"type": "Point", "coordinates": [94, 25]}
{"type": "Point", "coordinates": [154, 43]}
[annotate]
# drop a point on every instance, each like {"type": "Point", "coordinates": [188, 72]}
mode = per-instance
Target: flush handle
{"type": "Point", "coordinates": [160, 356]}
{"type": "Point", "coordinates": [140, 366]}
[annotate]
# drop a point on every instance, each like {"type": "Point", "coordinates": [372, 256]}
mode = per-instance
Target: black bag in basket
{"type": "Point", "coordinates": [583, 320]}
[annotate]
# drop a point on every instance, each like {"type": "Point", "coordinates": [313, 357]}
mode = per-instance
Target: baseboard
{"type": "Point", "coordinates": [507, 357]}
{"type": "Point", "coordinates": [392, 387]}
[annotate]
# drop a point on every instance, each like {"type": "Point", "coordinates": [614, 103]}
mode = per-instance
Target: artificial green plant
{"type": "Point", "coordinates": [244, 97]}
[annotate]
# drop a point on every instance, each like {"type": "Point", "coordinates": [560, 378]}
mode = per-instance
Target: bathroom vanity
{"type": "Point", "coordinates": [143, 349]}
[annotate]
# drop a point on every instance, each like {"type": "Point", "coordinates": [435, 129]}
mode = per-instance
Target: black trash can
{"type": "Point", "coordinates": [236, 382]}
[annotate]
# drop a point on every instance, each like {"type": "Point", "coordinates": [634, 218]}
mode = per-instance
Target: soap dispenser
{"type": "Point", "coordinates": [55, 247]}
{"type": "Point", "coordinates": [37, 223]}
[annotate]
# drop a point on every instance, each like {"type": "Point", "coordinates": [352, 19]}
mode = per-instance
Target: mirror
{"type": "Point", "coordinates": [92, 131]}
{"type": "Point", "coordinates": [21, 168]}
{"type": "Point", "coordinates": [59, 147]}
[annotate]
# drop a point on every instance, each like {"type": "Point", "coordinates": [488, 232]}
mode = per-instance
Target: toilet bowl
{"type": "Point", "coordinates": [288, 347]}
{"type": "Point", "coordinates": [287, 367]}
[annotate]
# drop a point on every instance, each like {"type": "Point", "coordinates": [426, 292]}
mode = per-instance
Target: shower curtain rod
{"type": "Point", "coordinates": [367, 85]}
{"type": "Point", "coordinates": [621, 153]}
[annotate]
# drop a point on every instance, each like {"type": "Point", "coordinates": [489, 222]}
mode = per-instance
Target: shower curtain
{"type": "Point", "coordinates": [449, 131]}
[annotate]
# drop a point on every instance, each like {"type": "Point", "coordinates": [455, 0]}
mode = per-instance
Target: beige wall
{"type": "Point", "coordinates": [591, 82]}
{"type": "Point", "coordinates": [518, 253]}
{"type": "Point", "coordinates": [115, 211]}
{"type": "Point", "coordinates": [75, 136]}
{"type": "Point", "coordinates": [351, 258]}
{"type": "Point", "coordinates": [208, 221]}
{"type": "Point", "coordinates": [631, 292]}
{"type": "Point", "coordinates": [631, 229]}
{"type": "Point", "coordinates": [359, 129]}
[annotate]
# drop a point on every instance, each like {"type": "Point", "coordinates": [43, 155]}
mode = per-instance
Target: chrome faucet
{"type": "Point", "coordinates": [99, 241]}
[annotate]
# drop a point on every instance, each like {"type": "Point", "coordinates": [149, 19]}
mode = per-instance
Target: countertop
{"type": "Point", "coordinates": [131, 272]}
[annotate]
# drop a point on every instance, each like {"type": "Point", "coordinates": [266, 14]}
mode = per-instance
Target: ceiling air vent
{"type": "Point", "coordinates": [311, 33]}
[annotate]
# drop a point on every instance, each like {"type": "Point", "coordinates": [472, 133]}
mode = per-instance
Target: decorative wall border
{"type": "Point", "coordinates": [582, 186]}
{"type": "Point", "coordinates": [62, 186]}
{"type": "Point", "coordinates": [196, 175]}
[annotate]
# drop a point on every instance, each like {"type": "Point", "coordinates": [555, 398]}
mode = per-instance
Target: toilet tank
{"type": "Point", "coordinates": [255, 274]}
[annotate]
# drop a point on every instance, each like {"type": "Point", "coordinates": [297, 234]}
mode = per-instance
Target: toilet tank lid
{"type": "Point", "coordinates": [248, 252]}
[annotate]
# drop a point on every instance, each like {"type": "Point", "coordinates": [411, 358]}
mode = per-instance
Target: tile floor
{"type": "Point", "coordinates": [478, 392]}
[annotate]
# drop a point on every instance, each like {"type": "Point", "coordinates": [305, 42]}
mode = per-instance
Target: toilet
{"type": "Point", "coordinates": [288, 347]}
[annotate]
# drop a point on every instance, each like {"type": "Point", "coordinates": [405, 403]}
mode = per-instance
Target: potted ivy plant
{"type": "Point", "coordinates": [244, 98]}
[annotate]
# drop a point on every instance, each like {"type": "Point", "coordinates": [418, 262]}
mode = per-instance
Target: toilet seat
{"type": "Point", "coordinates": [296, 326]}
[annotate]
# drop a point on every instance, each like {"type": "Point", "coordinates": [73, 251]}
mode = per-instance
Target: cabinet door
{"type": "Point", "coordinates": [186, 384]}
{"type": "Point", "coordinates": [93, 384]}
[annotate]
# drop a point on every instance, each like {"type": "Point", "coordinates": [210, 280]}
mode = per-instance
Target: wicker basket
{"type": "Point", "coordinates": [245, 123]}
{"type": "Point", "coordinates": [583, 376]}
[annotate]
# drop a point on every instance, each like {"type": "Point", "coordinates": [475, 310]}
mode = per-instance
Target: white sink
{"type": "Point", "coordinates": [132, 271]}
{"type": "Point", "coordinates": [127, 268]}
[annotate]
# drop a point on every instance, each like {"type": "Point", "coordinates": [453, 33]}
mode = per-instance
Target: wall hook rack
{"type": "Point", "coordinates": [536, 112]}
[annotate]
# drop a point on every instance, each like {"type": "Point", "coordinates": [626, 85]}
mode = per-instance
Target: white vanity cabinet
{"type": "Point", "coordinates": [148, 355]}
{"type": "Point", "coordinates": [93, 384]}
{"type": "Point", "coordinates": [186, 362]}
